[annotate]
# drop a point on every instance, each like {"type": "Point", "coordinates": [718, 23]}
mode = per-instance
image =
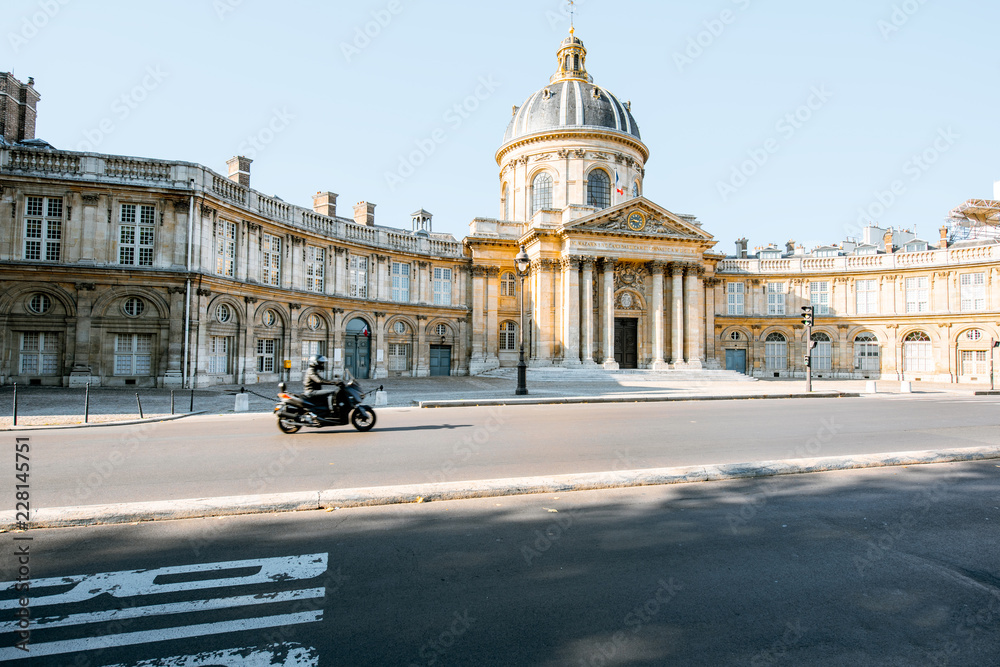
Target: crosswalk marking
{"type": "Point", "coordinates": [166, 634]}
{"type": "Point", "coordinates": [291, 655]}
{"type": "Point", "coordinates": [167, 609]}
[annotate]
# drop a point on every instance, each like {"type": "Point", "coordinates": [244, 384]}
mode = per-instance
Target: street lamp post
{"type": "Point", "coordinates": [523, 263]}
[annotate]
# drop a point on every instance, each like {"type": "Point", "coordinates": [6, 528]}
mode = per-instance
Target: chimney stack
{"type": "Point", "coordinates": [364, 214]}
{"type": "Point", "coordinates": [325, 203]}
{"type": "Point", "coordinates": [790, 247]}
{"type": "Point", "coordinates": [887, 240]}
{"type": "Point", "coordinates": [944, 237]}
{"type": "Point", "coordinates": [17, 108]}
{"type": "Point", "coordinates": [741, 248]}
{"type": "Point", "coordinates": [239, 170]}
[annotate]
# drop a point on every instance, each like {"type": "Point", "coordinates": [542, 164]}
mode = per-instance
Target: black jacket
{"type": "Point", "coordinates": [313, 381]}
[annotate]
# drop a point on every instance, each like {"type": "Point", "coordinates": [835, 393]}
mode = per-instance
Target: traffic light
{"type": "Point", "coordinates": [996, 343]}
{"type": "Point", "coordinates": [807, 315]}
{"type": "Point", "coordinates": [807, 360]}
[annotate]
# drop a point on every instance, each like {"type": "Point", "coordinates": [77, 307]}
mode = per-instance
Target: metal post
{"type": "Point", "coordinates": [522, 367]}
{"type": "Point", "coordinates": [993, 346]}
{"type": "Point", "coordinates": [171, 401]}
{"type": "Point", "coordinates": [191, 408]}
{"type": "Point", "coordinates": [86, 404]}
{"type": "Point", "coordinates": [809, 380]}
{"type": "Point", "coordinates": [139, 403]}
{"type": "Point", "coordinates": [15, 404]}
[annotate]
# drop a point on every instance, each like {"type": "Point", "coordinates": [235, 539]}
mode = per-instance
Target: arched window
{"type": "Point", "coordinates": [541, 193]}
{"type": "Point", "coordinates": [598, 189]}
{"type": "Point", "coordinates": [776, 352]}
{"type": "Point", "coordinates": [822, 354]}
{"type": "Point", "coordinates": [635, 189]}
{"type": "Point", "coordinates": [866, 353]}
{"type": "Point", "coordinates": [918, 355]}
{"type": "Point", "coordinates": [508, 337]}
{"type": "Point", "coordinates": [506, 203]}
{"type": "Point", "coordinates": [508, 285]}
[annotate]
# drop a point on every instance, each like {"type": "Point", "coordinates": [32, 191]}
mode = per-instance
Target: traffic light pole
{"type": "Point", "coordinates": [807, 321]}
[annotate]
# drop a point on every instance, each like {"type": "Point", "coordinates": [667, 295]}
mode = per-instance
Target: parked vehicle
{"type": "Point", "coordinates": [297, 410]}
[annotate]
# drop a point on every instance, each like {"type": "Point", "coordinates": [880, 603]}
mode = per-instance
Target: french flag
{"type": "Point", "coordinates": [620, 190]}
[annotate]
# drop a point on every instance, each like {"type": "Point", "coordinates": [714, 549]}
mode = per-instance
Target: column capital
{"type": "Point", "coordinates": [656, 267]}
{"type": "Point", "coordinates": [478, 271]}
{"type": "Point", "coordinates": [608, 263]}
{"type": "Point", "coordinates": [493, 271]}
{"type": "Point", "coordinates": [587, 262]}
{"type": "Point", "coordinates": [713, 282]}
{"type": "Point", "coordinates": [570, 263]}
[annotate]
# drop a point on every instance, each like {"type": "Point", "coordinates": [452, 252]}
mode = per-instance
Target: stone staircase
{"type": "Point", "coordinates": [569, 375]}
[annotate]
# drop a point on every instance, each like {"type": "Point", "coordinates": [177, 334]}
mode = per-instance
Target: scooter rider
{"type": "Point", "coordinates": [313, 382]}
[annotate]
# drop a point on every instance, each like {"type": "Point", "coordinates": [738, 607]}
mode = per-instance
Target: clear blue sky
{"type": "Point", "coordinates": [897, 79]}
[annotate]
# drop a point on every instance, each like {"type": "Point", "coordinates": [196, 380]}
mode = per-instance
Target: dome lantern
{"type": "Point", "coordinates": [572, 60]}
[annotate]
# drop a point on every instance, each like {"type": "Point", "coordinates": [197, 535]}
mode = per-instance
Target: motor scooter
{"type": "Point", "coordinates": [297, 410]}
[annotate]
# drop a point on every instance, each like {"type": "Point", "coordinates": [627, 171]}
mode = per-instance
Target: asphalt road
{"type": "Point", "coordinates": [887, 567]}
{"type": "Point", "coordinates": [241, 455]}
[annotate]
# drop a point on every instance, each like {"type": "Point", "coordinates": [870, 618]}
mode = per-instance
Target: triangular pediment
{"type": "Point", "coordinates": [655, 221]}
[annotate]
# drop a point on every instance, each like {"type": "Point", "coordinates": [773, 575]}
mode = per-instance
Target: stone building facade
{"type": "Point", "coordinates": [119, 271]}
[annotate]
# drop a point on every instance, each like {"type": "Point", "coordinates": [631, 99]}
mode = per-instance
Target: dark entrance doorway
{"type": "Point", "coordinates": [736, 360]}
{"type": "Point", "coordinates": [440, 360]}
{"type": "Point", "coordinates": [627, 342]}
{"type": "Point", "coordinates": [358, 348]}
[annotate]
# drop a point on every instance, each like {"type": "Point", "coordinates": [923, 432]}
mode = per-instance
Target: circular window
{"type": "Point", "coordinates": [314, 322]}
{"type": "Point", "coordinates": [442, 330]}
{"type": "Point", "coordinates": [974, 334]}
{"type": "Point", "coordinates": [223, 313]}
{"type": "Point", "coordinates": [399, 327]}
{"type": "Point", "coordinates": [39, 304]}
{"type": "Point", "coordinates": [269, 318]}
{"type": "Point", "coordinates": [134, 306]}
{"type": "Point", "coordinates": [735, 336]}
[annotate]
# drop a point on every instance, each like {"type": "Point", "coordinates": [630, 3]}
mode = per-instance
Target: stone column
{"type": "Point", "coordinates": [423, 351]}
{"type": "Point", "coordinates": [340, 271]}
{"type": "Point", "coordinates": [293, 352]}
{"type": "Point", "coordinates": [424, 280]}
{"type": "Point", "coordinates": [587, 311]}
{"type": "Point", "coordinates": [677, 315]}
{"type": "Point", "coordinates": [692, 342]}
{"type": "Point", "coordinates": [609, 314]}
{"type": "Point", "coordinates": [381, 349]}
{"type": "Point", "coordinates": [656, 269]}
{"type": "Point", "coordinates": [545, 305]}
{"type": "Point", "coordinates": [571, 311]}
{"type": "Point", "coordinates": [175, 338]}
{"type": "Point", "coordinates": [337, 351]}
{"type": "Point", "coordinates": [82, 371]}
{"type": "Point", "coordinates": [493, 316]}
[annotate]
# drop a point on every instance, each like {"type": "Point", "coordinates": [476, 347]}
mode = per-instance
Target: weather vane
{"type": "Point", "coordinates": [572, 14]}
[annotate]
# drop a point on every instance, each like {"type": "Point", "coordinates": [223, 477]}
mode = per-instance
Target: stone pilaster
{"type": "Point", "coordinates": [587, 311]}
{"type": "Point", "coordinates": [381, 349]}
{"type": "Point", "coordinates": [173, 377]}
{"type": "Point", "coordinates": [677, 313]}
{"type": "Point", "coordinates": [692, 330]}
{"type": "Point", "coordinates": [81, 372]}
{"type": "Point", "coordinates": [492, 316]}
{"type": "Point", "coordinates": [609, 314]}
{"type": "Point", "coordinates": [658, 324]}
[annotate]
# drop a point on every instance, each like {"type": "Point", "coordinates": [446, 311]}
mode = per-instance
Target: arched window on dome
{"type": "Point", "coordinates": [599, 189]}
{"type": "Point", "coordinates": [541, 193]}
{"type": "Point", "coordinates": [505, 202]}
{"type": "Point", "coordinates": [635, 190]}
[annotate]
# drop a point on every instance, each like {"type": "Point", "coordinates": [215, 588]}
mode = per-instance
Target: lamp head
{"type": "Point", "coordinates": [523, 261]}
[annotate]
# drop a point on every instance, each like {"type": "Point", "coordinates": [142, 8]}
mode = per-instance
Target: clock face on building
{"type": "Point", "coordinates": [636, 221]}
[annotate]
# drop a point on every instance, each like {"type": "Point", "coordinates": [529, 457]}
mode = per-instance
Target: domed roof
{"type": "Point", "coordinates": [571, 100]}
{"type": "Point", "coordinates": [571, 104]}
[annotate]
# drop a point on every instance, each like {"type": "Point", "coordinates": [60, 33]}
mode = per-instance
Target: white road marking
{"type": "Point", "coordinates": [295, 656]}
{"type": "Point", "coordinates": [167, 609]}
{"type": "Point", "coordinates": [166, 634]}
{"type": "Point", "coordinates": [143, 582]}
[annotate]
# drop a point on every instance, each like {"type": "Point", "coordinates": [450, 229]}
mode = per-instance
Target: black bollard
{"type": "Point", "coordinates": [140, 404]}
{"type": "Point", "coordinates": [171, 401]}
{"type": "Point", "coordinates": [86, 404]}
{"type": "Point", "coordinates": [191, 409]}
{"type": "Point", "coordinates": [15, 404]}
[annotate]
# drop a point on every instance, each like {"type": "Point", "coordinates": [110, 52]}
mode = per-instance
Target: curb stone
{"type": "Point", "coordinates": [58, 517]}
{"type": "Point", "coordinates": [640, 398]}
{"type": "Point", "coordinates": [148, 420]}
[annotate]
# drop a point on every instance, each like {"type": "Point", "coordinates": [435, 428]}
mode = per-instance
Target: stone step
{"type": "Point", "coordinates": [556, 374]}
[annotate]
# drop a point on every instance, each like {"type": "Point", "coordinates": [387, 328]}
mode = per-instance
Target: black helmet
{"type": "Point", "coordinates": [318, 362]}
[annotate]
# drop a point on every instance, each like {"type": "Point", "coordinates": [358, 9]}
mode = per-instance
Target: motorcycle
{"type": "Point", "coordinates": [295, 410]}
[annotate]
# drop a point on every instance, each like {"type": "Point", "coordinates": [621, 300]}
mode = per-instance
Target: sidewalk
{"type": "Point", "coordinates": [46, 406]}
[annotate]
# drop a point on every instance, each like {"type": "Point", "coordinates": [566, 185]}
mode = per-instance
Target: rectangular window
{"type": "Point", "coordinates": [270, 261]}
{"type": "Point", "coordinates": [315, 268]}
{"type": "Point", "coordinates": [133, 354]}
{"type": "Point", "coordinates": [312, 348]}
{"type": "Point", "coordinates": [225, 248]}
{"type": "Point", "coordinates": [776, 355]}
{"type": "Point", "coordinates": [734, 298]}
{"type": "Point", "coordinates": [442, 287]}
{"type": "Point", "coordinates": [400, 282]}
{"type": "Point", "coordinates": [266, 348]}
{"type": "Point", "coordinates": [916, 295]}
{"type": "Point", "coordinates": [218, 355]}
{"type": "Point", "coordinates": [136, 233]}
{"type": "Point", "coordinates": [867, 296]}
{"type": "Point", "coordinates": [39, 353]}
{"type": "Point", "coordinates": [975, 362]}
{"type": "Point", "coordinates": [973, 291]}
{"type": "Point", "coordinates": [43, 228]}
{"type": "Point", "coordinates": [399, 357]}
{"type": "Point", "coordinates": [776, 298]}
{"type": "Point", "coordinates": [359, 277]}
{"type": "Point", "coordinates": [819, 297]}
{"type": "Point", "coordinates": [508, 336]}
{"type": "Point", "coordinates": [822, 356]}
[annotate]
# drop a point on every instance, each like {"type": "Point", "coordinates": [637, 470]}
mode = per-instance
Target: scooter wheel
{"type": "Point", "coordinates": [363, 418]}
{"type": "Point", "coordinates": [288, 426]}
